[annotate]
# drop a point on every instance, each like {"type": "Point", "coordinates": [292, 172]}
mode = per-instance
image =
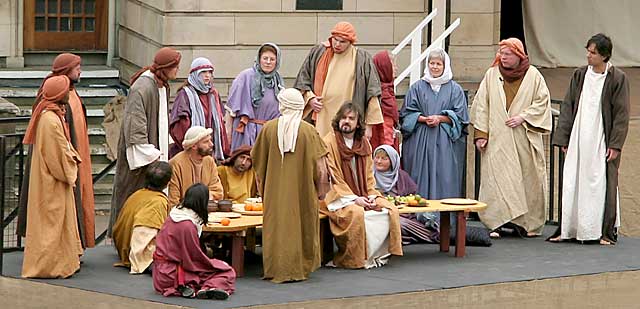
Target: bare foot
{"type": "Point", "coordinates": [494, 235]}
{"type": "Point", "coordinates": [532, 234]}
{"type": "Point", "coordinates": [555, 239]}
{"type": "Point", "coordinates": [605, 242]}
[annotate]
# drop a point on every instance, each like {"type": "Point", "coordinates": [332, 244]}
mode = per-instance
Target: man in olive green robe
{"type": "Point", "coordinates": [141, 218]}
{"type": "Point", "coordinates": [289, 151]}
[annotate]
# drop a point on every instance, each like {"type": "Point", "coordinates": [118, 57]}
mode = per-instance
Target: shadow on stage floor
{"type": "Point", "coordinates": [422, 268]}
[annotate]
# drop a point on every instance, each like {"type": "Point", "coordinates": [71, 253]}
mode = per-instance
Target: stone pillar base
{"type": "Point", "coordinates": [14, 62]}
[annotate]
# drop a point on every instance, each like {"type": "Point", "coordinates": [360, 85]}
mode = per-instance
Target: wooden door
{"type": "Point", "coordinates": [59, 25]}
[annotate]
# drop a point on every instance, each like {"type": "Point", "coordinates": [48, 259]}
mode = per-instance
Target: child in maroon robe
{"type": "Point", "coordinates": [180, 268]}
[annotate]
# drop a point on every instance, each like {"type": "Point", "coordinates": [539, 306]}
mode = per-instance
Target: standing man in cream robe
{"type": "Point", "coordinates": [337, 71]}
{"type": "Point", "coordinates": [144, 136]}
{"type": "Point", "coordinates": [511, 113]}
{"type": "Point", "coordinates": [593, 125]}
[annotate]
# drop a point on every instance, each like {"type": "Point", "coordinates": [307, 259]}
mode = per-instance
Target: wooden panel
{"type": "Point", "coordinates": [65, 25]}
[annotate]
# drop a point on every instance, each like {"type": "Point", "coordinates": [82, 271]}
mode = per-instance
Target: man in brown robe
{"type": "Point", "coordinates": [194, 164]}
{"type": "Point", "coordinates": [69, 65]}
{"type": "Point", "coordinates": [144, 137]}
{"type": "Point", "coordinates": [289, 151]}
{"type": "Point", "coordinates": [143, 214]}
{"type": "Point", "coordinates": [365, 225]}
{"type": "Point", "coordinates": [593, 142]}
{"type": "Point", "coordinates": [52, 246]}
{"type": "Point", "coordinates": [337, 71]}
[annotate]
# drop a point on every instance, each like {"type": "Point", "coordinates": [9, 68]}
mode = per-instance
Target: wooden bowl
{"type": "Point", "coordinates": [212, 206]}
{"type": "Point", "coordinates": [225, 205]}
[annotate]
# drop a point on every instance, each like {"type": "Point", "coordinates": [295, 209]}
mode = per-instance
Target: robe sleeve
{"type": "Point", "coordinates": [374, 113]}
{"type": "Point", "coordinates": [410, 111]}
{"type": "Point", "coordinates": [479, 113]}
{"type": "Point", "coordinates": [215, 186]}
{"type": "Point", "coordinates": [141, 155]}
{"type": "Point", "coordinates": [134, 122]}
{"type": "Point", "coordinates": [174, 184]}
{"type": "Point", "coordinates": [374, 88]}
{"type": "Point", "coordinates": [239, 94]}
{"type": "Point", "coordinates": [537, 116]}
{"type": "Point", "coordinates": [153, 214]}
{"type": "Point", "coordinates": [60, 159]}
{"type": "Point", "coordinates": [340, 192]}
{"type": "Point", "coordinates": [562, 131]}
{"type": "Point", "coordinates": [304, 80]}
{"type": "Point", "coordinates": [223, 179]}
{"type": "Point", "coordinates": [619, 113]}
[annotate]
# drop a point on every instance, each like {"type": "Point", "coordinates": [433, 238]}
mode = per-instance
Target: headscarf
{"type": "Point", "coordinates": [387, 180]}
{"type": "Point", "coordinates": [244, 149]}
{"type": "Point", "coordinates": [198, 66]}
{"type": "Point", "coordinates": [194, 135]}
{"type": "Point", "coordinates": [388, 102]}
{"type": "Point", "coordinates": [513, 74]}
{"type": "Point", "coordinates": [291, 106]}
{"type": "Point", "coordinates": [447, 74]}
{"type": "Point", "coordinates": [343, 30]}
{"type": "Point", "coordinates": [360, 150]}
{"type": "Point", "coordinates": [54, 90]}
{"type": "Point", "coordinates": [179, 214]}
{"type": "Point", "coordinates": [62, 65]}
{"type": "Point", "coordinates": [165, 59]}
{"type": "Point", "coordinates": [262, 80]}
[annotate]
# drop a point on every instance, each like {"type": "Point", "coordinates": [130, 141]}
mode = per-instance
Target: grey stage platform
{"type": "Point", "coordinates": [421, 268]}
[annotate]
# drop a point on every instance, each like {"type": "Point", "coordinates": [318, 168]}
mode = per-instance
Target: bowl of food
{"type": "Point", "coordinates": [225, 205]}
{"type": "Point", "coordinates": [212, 206]}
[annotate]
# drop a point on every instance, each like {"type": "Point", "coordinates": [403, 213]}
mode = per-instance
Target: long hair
{"type": "Point", "coordinates": [196, 198]}
{"type": "Point", "coordinates": [350, 107]}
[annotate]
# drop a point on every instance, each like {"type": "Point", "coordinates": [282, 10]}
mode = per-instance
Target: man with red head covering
{"type": "Point", "coordinates": [511, 113]}
{"type": "Point", "coordinates": [52, 245]}
{"type": "Point", "coordinates": [68, 65]}
{"type": "Point", "coordinates": [144, 136]}
{"type": "Point", "coordinates": [337, 71]}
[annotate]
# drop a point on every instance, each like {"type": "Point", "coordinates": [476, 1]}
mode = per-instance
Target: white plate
{"type": "Point", "coordinates": [458, 201]}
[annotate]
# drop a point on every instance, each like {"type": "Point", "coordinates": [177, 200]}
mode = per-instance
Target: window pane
{"type": "Point", "coordinates": [318, 4]}
{"type": "Point", "coordinates": [65, 24]}
{"type": "Point", "coordinates": [77, 24]}
{"type": "Point", "coordinates": [52, 24]}
{"type": "Point", "coordinates": [65, 6]}
{"type": "Point", "coordinates": [88, 24]}
{"type": "Point", "coordinates": [89, 6]}
{"type": "Point", "coordinates": [53, 7]}
{"type": "Point", "coordinates": [77, 7]}
{"type": "Point", "coordinates": [40, 24]}
{"type": "Point", "coordinates": [40, 8]}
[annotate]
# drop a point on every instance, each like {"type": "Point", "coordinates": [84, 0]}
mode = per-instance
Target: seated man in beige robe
{"type": "Point", "coordinates": [141, 217]}
{"type": "Point", "coordinates": [365, 225]}
{"type": "Point", "coordinates": [237, 177]}
{"type": "Point", "coordinates": [194, 165]}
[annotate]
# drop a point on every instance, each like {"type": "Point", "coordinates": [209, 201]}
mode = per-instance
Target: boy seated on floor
{"type": "Point", "coordinates": [140, 219]}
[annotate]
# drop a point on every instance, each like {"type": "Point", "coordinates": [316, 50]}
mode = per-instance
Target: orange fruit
{"type": "Point", "coordinates": [413, 202]}
{"type": "Point", "coordinates": [225, 221]}
{"type": "Point", "coordinates": [248, 207]}
{"type": "Point", "coordinates": [257, 207]}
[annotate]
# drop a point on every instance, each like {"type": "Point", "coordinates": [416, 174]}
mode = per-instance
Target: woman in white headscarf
{"type": "Point", "coordinates": [434, 119]}
{"type": "Point", "coordinates": [198, 103]}
{"type": "Point", "coordinates": [253, 96]}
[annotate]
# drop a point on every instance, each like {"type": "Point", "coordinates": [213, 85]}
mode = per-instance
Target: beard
{"type": "Point", "coordinates": [205, 151]}
{"type": "Point", "coordinates": [346, 129]}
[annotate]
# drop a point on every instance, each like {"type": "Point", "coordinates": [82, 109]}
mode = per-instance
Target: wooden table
{"type": "Point", "coordinates": [445, 225]}
{"type": "Point", "coordinates": [237, 229]}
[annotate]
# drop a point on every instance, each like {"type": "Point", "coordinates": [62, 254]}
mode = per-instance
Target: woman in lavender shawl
{"type": "Point", "coordinates": [253, 96]}
{"type": "Point", "coordinates": [391, 180]}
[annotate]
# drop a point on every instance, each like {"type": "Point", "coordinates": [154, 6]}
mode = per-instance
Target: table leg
{"type": "Point", "coordinates": [445, 227]}
{"type": "Point", "coordinates": [461, 233]}
{"type": "Point", "coordinates": [237, 254]}
{"type": "Point", "coordinates": [251, 239]}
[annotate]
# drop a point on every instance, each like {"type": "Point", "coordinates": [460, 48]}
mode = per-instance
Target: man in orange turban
{"type": "Point", "coordinates": [511, 113]}
{"type": "Point", "coordinates": [144, 136]}
{"type": "Point", "coordinates": [69, 65]}
{"type": "Point", "coordinates": [52, 245]}
{"type": "Point", "coordinates": [335, 72]}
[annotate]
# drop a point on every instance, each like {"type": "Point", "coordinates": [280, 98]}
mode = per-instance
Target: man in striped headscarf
{"type": "Point", "coordinates": [290, 151]}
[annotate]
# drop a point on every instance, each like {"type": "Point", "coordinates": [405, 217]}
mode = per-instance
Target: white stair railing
{"type": "Point", "coordinates": [415, 61]}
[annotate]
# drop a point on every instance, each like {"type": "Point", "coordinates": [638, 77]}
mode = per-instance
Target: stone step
{"type": "Point", "coordinates": [32, 77]}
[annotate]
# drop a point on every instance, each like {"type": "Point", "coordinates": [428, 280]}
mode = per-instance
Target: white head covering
{"type": "Point", "coordinates": [447, 74]}
{"type": "Point", "coordinates": [194, 135]}
{"type": "Point", "coordinates": [385, 180]}
{"type": "Point", "coordinates": [179, 214]}
{"type": "Point", "coordinates": [291, 106]}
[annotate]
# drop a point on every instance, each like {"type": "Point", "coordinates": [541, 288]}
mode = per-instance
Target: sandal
{"type": "Point", "coordinates": [494, 234]}
{"type": "Point", "coordinates": [186, 291]}
{"type": "Point", "coordinates": [212, 294]}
